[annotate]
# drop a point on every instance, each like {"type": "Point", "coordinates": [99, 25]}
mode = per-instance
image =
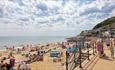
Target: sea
{"type": "Point", "coordinates": [16, 41]}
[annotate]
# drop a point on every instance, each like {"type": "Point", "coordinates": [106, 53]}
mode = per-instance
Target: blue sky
{"type": "Point", "coordinates": [52, 17]}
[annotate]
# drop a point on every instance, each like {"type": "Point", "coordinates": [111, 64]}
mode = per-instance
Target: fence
{"type": "Point", "coordinates": [83, 53]}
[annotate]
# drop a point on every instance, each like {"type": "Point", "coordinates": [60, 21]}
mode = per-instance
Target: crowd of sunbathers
{"type": "Point", "coordinates": [7, 65]}
{"type": "Point", "coordinates": [8, 62]}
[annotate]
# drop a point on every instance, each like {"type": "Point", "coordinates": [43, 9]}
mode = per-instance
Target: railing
{"type": "Point", "coordinates": [77, 58]}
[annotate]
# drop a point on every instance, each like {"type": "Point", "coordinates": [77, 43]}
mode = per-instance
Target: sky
{"type": "Point", "coordinates": [52, 17]}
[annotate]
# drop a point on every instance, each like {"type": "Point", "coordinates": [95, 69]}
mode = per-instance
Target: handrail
{"type": "Point", "coordinates": [73, 63]}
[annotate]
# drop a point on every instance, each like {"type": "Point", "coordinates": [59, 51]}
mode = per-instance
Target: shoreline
{"type": "Point", "coordinates": [25, 45]}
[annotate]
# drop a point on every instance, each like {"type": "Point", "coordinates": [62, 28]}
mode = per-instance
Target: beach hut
{"type": "Point", "coordinates": [54, 53]}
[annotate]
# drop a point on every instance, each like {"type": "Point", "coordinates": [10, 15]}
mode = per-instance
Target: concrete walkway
{"type": "Point", "coordinates": [96, 63]}
{"type": "Point", "coordinates": [105, 63]}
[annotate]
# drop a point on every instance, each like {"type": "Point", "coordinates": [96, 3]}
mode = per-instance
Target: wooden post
{"type": "Point", "coordinates": [88, 51]}
{"type": "Point", "coordinates": [93, 49]}
{"type": "Point", "coordinates": [80, 66]}
{"type": "Point", "coordinates": [66, 60]}
{"type": "Point", "coordinates": [75, 59]}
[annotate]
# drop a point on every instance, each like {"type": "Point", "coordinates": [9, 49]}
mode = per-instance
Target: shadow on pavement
{"type": "Point", "coordinates": [106, 58]}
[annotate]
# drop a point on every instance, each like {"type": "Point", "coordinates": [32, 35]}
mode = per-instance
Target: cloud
{"type": "Point", "coordinates": [31, 16]}
{"type": "Point", "coordinates": [42, 6]}
{"type": "Point", "coordinates": [113, 13]}
{"type": "Point", "coordinates": [19, 2]}
{"type": "Point", "coordinates": [1, 13]}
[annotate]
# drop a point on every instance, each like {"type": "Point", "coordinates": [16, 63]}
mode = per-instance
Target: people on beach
{"type": "Point", "coordinates": [12, 62]}
{"type": "Point", "coordinates": [23, 66]}
{"type": "Point", "coordinates": [2, 65]}
{"type": "Point", "coordinates": [18, 51]}
{"type": "Point", "coordinates": [6, 65]}
{"type": "Point", "coordinates": [63, 45]}
{"type": "Point", "coordinates": [71, 50]}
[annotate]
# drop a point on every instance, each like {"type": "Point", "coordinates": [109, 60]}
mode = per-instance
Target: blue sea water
{"type": "Point", "coordinates": [19, 40]}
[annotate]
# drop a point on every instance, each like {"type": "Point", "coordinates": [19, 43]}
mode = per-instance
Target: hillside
{"type": "Point", "coordinates": [105, 22]}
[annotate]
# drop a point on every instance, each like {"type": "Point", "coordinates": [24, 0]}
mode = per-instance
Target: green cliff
{"type": "Point", "coordinates": [105, 22]}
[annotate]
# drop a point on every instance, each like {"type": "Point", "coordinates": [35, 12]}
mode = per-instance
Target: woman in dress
{"type": "Point", "coordinates": [99, 48]}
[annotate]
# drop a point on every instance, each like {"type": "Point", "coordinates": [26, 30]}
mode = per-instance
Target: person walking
{"type": "Point", "coordinates": [112, 48]}
{"type": "Point", "coordinates": [99, 48]}
{"type": "Point", "coordinates": [108, 42]}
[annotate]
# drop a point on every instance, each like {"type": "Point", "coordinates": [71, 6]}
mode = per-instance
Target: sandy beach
{"type": "Point", "coordinates": [46, 64]}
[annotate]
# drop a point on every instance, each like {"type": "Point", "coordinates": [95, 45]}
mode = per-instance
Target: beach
{"type": "Point", "coordinates": [43, 64]}
{"type": "Point", "coordinates": [61, 55]}
{"type": "Point", "coordinates": [40, 56]}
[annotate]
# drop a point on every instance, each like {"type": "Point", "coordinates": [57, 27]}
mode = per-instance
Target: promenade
{"type": "Point", "coordinates": [96, 63]}
{"type": "Point", "coordinates": [105, 63]}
